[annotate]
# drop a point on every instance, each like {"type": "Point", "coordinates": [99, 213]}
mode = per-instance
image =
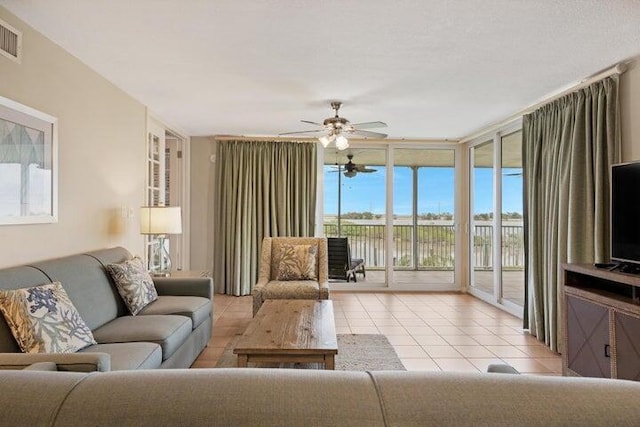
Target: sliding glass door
{"type": "Point", "coordinates": [355, 204]}
{"type": "Point", "coordinates": [423, 217]}
{"type": "Point", "coordinates": [496, 247]}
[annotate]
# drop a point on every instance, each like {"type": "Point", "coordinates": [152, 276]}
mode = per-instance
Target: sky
{"type": "Point", "coordinates": [366, 191]}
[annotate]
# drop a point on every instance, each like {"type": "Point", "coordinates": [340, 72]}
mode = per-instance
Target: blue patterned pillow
{"type": "Point", "coordinates": [134, 284]}
{"type": "Point", "coordinates": [43, 319]}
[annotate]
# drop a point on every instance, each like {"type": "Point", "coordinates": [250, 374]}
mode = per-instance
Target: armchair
{"type": "Point", "coordinates": [268, 285]}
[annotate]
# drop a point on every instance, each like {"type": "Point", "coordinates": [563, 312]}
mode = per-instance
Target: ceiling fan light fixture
{"type": "Point", "coordinates": [342, 143]}
{"type": "Point", "coordinates": [324, 140]}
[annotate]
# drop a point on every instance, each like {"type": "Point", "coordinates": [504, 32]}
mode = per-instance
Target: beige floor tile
{"type": "Point", "coordinates": [421, 330]}
{"type": "Point", "coordinates": [447, 330]}
{"type": "Point", "coordinates": [409, 351]}
{"type": "Point", "coordinates": [364, 330]}
{"type": "Point", "coordinates": [442, 351]}
{"type": "Point", "coordinates": [538, 351]}
{"type": "Point", "coordinates": [438, 322]}
{"type": "Point", "coordinates": [360, 322]}
{"type": "Point", "coordinates": [530, 366]}
{"type": "Point", "coordinates": [474, 351]}
{"type": "Point", "coordinates": [554, 365]}
{"type": "Point", "coordinates": [401, 340]}
{"type": "Point", "coordinates": [509, 351]}
{"type": "Point", "coordinates": [425, 364]}
{"type": "Point", "coordinates": [459, 340]}
{"type": "Point", "coordinates": [385, 322]}
{"type": "Point", "coordinates": [427, 340]}
{"type": "Point", "coordinates": [392, 330]}
{"type": "Point", "coordinates": [483, 363]}
{"type": "Point", "coordinates": [456, 365]}
{"type": "Point", "coordinates": [489, 339]}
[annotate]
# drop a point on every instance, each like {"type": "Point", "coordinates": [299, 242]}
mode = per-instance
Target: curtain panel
{"type": "Point", "coordinates": [569, 146]}
{"type": "Point", "coordinates": [264, 189]}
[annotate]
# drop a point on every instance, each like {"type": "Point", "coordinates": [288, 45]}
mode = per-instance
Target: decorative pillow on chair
{"type": "Point", "coordinates": [43, 319]}
{"type": "Point", "coordinates": [134, 284]}
{"type": "Point", "coordinates": [298, 262]}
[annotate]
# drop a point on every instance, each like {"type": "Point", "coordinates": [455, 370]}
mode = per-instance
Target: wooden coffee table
{"type": "Point", "coordinates": [290, 331]}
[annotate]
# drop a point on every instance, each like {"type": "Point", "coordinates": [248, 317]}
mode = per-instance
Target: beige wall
{"type": "Point", "coordinates": [630, 112]}
{"type": "Point", "coordinates": [201, 215]}
{"type": "Point", "coordinates": [101, 150]}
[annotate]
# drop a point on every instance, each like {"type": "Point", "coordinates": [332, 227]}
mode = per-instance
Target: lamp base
{"type": "Point", "coordinates": [159, 259]}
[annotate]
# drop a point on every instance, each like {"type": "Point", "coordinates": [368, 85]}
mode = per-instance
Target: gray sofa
{"type": "Point", "coordinates": [273, 397]}
{"type": "Point", "coordinates": [169, 333]}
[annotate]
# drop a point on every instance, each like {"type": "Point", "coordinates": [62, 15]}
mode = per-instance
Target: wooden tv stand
{"type": "Point", "coordinates": [601, 321]}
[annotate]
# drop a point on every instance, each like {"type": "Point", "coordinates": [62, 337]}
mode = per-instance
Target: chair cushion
{"type": "Point", "coordinates": [298, 262]}
{"type": "Point", "coordinates": [356, 262]}
{"type": "Point", "coordinates": [128, 356]}
{"type": "Point", "coordinates": [134, 284]}
{"type": "Point", "coordinates": [198, 309]}
{"type": "Point", "coordinates": [293, 289]}
{"type": "Point", "coordinates": [168, 331]}
{"type": "Point", "coordinates": [43, 319]}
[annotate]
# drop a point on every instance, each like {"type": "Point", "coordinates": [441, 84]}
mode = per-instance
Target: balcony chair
{"type": "Point", "coordinates": [292, 268]}
{"type": "Point", "coordinates": [341, 265]}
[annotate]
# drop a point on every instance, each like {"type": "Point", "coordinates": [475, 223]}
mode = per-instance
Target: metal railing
{"type": "Point", "coordinates": [435, 245]}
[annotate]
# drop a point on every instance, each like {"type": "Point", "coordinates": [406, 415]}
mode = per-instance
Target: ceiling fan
{"type": "Point", "coordinates": [351, 169]}
{"type": "Point", "coordinates": [335, 128]}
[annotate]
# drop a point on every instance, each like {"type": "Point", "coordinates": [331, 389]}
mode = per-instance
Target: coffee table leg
{"type": "Point", "coordinates": [243, 360]}
{"type": "Point", "coordinates": [329, 362]}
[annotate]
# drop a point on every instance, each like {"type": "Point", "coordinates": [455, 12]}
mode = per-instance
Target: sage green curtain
{"type": "Point", "coordinates": [264, 188]}
{"type": "Point", "coordinates": [568, 148]}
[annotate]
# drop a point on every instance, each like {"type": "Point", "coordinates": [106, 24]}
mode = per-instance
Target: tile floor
{"type": "Point", "coordinates": [429, 331]}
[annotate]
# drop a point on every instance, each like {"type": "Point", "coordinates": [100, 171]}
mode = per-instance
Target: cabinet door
{"type": "Point", "coordinates": [588, 338]}
{"type": "Point", "coordinates": [627, 347]}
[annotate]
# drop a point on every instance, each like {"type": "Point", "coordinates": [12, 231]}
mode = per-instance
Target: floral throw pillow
{"type": "Point", "coordinates": [134, 284]}
{"type": "Point", "coordinates": [43, 319]}
{"type": "Point", "coordinates": [298, 262]}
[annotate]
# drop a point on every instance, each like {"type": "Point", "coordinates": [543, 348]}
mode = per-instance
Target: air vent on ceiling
{"type": "Point", "coordinates": [10, 42]}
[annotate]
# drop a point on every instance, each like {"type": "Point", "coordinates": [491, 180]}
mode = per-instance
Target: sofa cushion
{"type": "Point", "coordinates": [44, 320]}
{"type": "Point", "coordinates": [88, 285]}
{"type": "Point", "coordinates": [198, 309]}
{"type": "Point", "coordinates": [130, 355]}
{"type": "Point", "coordinates": [298, 262]}
{"type": "Point", "coordinates": [134, 284]}
{"type": "Point", "coordinates": [168, 331]}
{"type": "Point", "coordinates": [300, 289]}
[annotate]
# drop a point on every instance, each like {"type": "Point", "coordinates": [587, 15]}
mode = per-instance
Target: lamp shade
{"type": "Point", "coordinates": [160, 220]}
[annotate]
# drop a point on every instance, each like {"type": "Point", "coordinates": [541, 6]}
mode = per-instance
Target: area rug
{"type": "Point", "coordinates": [356, 352]}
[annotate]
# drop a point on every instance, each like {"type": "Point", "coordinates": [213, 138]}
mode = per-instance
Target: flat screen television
{"type": "Point", "coordinates": [625, 213]}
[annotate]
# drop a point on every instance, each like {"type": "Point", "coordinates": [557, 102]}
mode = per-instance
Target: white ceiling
{"type": "Point", "coordinates": [428, 68]}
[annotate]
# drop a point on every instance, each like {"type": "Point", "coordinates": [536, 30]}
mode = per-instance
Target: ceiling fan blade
{"type": "Point", "coordinates": [312, 123]}
{"type": "Point", "coordinates": [301, 131]}
{"type": "Point", "coordinates": [369, 125]}
{"type": "Point", "coordinates": [369, 134]}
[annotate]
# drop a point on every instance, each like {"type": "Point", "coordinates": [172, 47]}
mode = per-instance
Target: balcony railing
{"type": "Point", "coordinates": [434, 246]}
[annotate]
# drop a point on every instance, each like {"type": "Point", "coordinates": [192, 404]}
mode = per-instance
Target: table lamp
{"type": "Point", "coordinates": [160, 221]}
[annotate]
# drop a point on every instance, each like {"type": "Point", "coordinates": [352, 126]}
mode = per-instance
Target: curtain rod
{"type": "Point", "coordinates": [354, 140]}
{"type": "Point", "coordinates": [619, 68]}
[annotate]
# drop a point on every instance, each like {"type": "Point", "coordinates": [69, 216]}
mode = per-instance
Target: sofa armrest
{"type": "Point", "coordinates": [184, 286]}
{"type": "Point", "coordinates": [323, 289]}
{"type": "Point", "coordinates": [256, 293]}
{"type": "Point", "coordinates": [76, 362]}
